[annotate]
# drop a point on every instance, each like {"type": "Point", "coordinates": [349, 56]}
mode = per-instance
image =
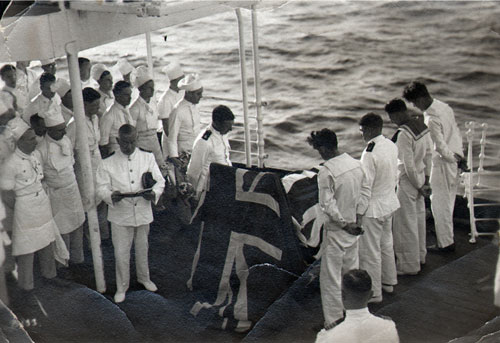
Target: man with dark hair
{"type": "Point", "coordinates": [37, 123]}
{"type": "Point", "coordinates": [85, 66]}
{"type": "Point", "coordinates": [359, 326]}
{"type": "Point", "coordinates": [118, 115]}
{"type": "Point", "coordinates": [48, 66]}
{"type": "Point", "coordinates": [339, 183]}
{"type": "Point", "coordinates": [378, 201]}
{"type": "Point", "coordinates": [120, 185]}
{"type": "Point", "coordinates": [211, 146]}
{"type": "Point", "coordinates": [47, 103]}
{"type": "Point", "coordinates": [447, 158]}
{"type": "Point", "coordinates": [414, 165]}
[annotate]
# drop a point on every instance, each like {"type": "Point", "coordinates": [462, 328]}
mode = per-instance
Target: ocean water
{"type": "Point", "coordinates": [327, 63]}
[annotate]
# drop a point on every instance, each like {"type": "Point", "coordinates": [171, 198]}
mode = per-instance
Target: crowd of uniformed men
{"type": "Point", "coordinates": [376, 219]}
{"type": "Point", "coordinates": [135, 143]}
{"type": "Point", "coordinates": [375, 206]}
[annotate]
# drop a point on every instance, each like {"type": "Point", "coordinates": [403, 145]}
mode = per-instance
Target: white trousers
{"type": "Point", "coordinates": [74, 244]}
{"type": "Point", "coordinates": [340, 255]}
{"type": "Point", "coordinates": [444, 179]}
{"type": "Point", "coordinates": [408, 229]}
{"type": "Point", "coordinates": [376, 252]}
{"type": "Point", "coordinates": [25, 266]}
{"type": "Point", "coordinates": [122, 237]}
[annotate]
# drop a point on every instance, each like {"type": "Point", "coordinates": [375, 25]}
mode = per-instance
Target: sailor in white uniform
{"type": "Point", "coordinates": [47, 103]}
{"type": "Point", "coordinates": [144, 113]}
{"type": "Point", "coordinates": [339, 184]}
{"type": "Point", "coordinates": [414, 165]}
{"type": "Point", "coordinates": [169, 99]}
{"type": "Point", "coordinates": [48, 66]}
{"type": "Point", "coordinates": [119, 174]}
{"type": "Point", "coordinates": [10, 93]}
{"type": "Point", "coordinates": [56, 152]}
{"type": "Point", "coordinates": [211, 146]}
{"type": "Point", "coordinates": [359, 326]}
{"type": "Point", "coordinates": [115, 117]}
{"type": "Point", "coordinates": [34, 228]}
{"type": "Point", "coordinates": [184, 121]}
{"type": "Point", "coordinates": [377, 204]}
{"type": "Point", "coordinates": [447, 156]}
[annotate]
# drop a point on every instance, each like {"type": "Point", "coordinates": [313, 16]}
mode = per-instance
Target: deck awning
{"type": "Point", "coordinates": [42, 29]}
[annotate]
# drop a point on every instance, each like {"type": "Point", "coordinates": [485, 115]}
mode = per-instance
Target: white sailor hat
{"type": "Point", "coordinates": [18, 128]}
{"type": "Point", "coordinates": [47, 61]}
{"type": "Point", "coordinates": [97, 70]}
{"type": "Point", "coordinates": [190, 83]}
{"type": "Point", "coordinates": [54, 119]}
{"type": "Point", "coordinates": [125, 67]}
{"type": "Point", "coordinates": [62, 87]}
{"type": "Point", "coordinates": [142, 76]}
{"type": "Point", "coordinates": [173, 70]}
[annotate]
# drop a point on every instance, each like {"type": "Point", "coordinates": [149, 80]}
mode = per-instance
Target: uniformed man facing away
{"type": "Point", "coordinates": [56, 152]}
{"type": "Point", "coordinates": [119, 184]}
{"type": "Point", "coordinates": [377, 204]}
{"type": "Point", "coordinates": [447, 158]}
{"type": "Point", "coordinates": [211, 146]}
{"type": "Point", "coordinates": [339, 184]}
{"type": "Point", "coordinates": [414, 166]}
{"type": "Point", "coordinates": [34, 228]}
{"type": "Point", "coordinates": [359, 326]}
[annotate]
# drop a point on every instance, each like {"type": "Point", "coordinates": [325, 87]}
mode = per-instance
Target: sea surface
{"type": "Point", "coordinates": [327, 63]}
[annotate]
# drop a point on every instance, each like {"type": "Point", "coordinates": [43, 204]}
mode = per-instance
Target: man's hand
{"type": "Point", "coordinates": [461, 163]}
{"type": "Point", "coordinates": [149, 195]}
{"type": "Point", "coordinates": [353, 229]}
{"type": "Point", "coordinates": [116, 197]}
{"type": "Point", "coordinates": [176, 161]}
{"type": "Point", "coordinates": [425, 191]}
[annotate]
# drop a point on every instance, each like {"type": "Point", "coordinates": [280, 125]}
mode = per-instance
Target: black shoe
{"type": "Point", "coordinates": [448, 249]}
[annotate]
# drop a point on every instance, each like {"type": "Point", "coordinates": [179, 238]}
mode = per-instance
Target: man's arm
{"type": "Point", "coordinates": [368, 164]}
{"type": "Point", "coordinates": [405, 149]}
{"type": "Point", "coordinates": [104, 190]}
{"type": "Point", "coordinates": [158, 177]}
{"type": "Point", "coordinates": [8, 176]}
{"type": "Point", "coordinates": [198, 158]}
{"type": "Point", "coordinates": [436, 129]}
{"type": "Point", "coordinates": [327, 201]}
{"type": "Point", "coordinates": [174, 124]}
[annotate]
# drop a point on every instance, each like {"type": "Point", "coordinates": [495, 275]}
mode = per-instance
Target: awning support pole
{"type": "Point", "coordinates": [150, 54]}
{"type": "Point", "coordinates": [258, 97]}
{"type": "Point", "coordinates": [244, 88]}
{"type": "Point", "coordinates": [84, 161]}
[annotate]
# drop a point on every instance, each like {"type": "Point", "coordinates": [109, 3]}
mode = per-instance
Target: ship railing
{"type": "Point", "coordinates": [475, 181]}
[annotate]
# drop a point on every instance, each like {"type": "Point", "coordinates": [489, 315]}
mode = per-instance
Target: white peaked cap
{"type": "Point", "coordinates": [47, 61]}
{"type": "Point", "coordinates": [142, 76]}
{"type": "Point", "coordinates": [18, 128]}
{"type": "Point", "coordinates": [54, 119]}
{"type": "Point", "coordinates": [190, 83]}
{"type": "Point", "coordinates": [173, 70]}
{"type": "Point", "coordinates": [62, 87]}
{"type": "Point", "coordinates": [125, 67]}
{"type": "Point", "coordinates": [97, 70]}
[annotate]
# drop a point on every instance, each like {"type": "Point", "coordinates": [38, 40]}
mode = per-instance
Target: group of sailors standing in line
{"type": "Point", "coordinates": [134, 145]}
{"type": "Point", "coordinates": [376, 219]}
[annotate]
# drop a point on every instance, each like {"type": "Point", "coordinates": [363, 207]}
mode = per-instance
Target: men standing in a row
{"type": "Point", "coordinates": [377, 203]}
{"type": "Point", "coordinates": [144, 113]}
{"type": "Point", "coordinates": [120, 173]}
{"type": "Point", "coordinates": [211, 146]}
{"type": "Point", "coordinates": [339, 183]}
{"type": "Point", "coordinates": [34, 228]}
{"type": "Point", "coordinates": [446, 157]}
{"type": "Point", "coordinates": [184, 121]}
{"type": "Point", "coordinates": [414, 165]}
{"type": "Point", "coordinates": [169, 99]}
{"type": "Point", "coordinates": [57, 159]}
{"type": "Point", "coordinates": [112, 120]}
